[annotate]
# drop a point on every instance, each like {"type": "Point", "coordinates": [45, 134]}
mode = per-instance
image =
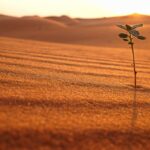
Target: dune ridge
{"type": "Point", "coordinates": [63, 29]}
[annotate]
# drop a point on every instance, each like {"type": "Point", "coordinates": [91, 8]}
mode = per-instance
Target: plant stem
{"type": "Point", "coordinates": [134, 64]}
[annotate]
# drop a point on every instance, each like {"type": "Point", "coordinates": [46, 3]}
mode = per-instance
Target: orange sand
{"type": "Point", "coordinates": [95, 32]}
{"type": "Point", "coordinates": [59, 96]}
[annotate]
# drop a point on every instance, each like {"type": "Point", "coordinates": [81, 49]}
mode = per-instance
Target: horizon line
{"type": "Point", "coordinates": [130, 14]}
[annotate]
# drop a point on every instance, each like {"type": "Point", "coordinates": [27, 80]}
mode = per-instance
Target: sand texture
{"type": "Point", "coordinates": [72, 97]}
{"type": "Point", "coordinates": [101, 32]}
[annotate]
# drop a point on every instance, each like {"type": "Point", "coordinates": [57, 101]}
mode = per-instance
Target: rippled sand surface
{"type": "Point", "coordinates": [67, 97]}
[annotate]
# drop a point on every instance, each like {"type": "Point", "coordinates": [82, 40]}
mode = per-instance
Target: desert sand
{"type": "Point", "coordinates": [95, 32]}
{"type": "Point", "coordinates": [73, 91]}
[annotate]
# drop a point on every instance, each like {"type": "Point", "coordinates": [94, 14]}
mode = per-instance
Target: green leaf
{"type": "Point", "coordinates": [141, 37]}
{"type": "Point", "coordinates": [128, 27]}
{"type": "Point", "coordinates": [134, 33]}
{"type": "Point", "coordinates": [136, 26]}
{"type": "Point", "coordinates": [123, 35]}
{"type": "Point", "coordinates": [125, 39]}
{"type": "Point", "coordinates": [122, 26]}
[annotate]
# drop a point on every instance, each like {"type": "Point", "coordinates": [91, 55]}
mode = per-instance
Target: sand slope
{"type": "Point", "coordinates": [65, 20]}
{"type": "Point", "coordinates": [96, 32]}
{"type": "Point", "coordinates": [29, 27]}
{"type": "Point", "coordinates": [57, 96]}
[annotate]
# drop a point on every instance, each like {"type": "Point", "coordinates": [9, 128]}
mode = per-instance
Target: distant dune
{"type": "Point", "coordinates": [25, 25]}
{"type": "Point", "coordinates": [63, 29]}
{"type": "Point", "coordinates": [65, 20]}
{"type": "Point", "coordinates": [3, 17]}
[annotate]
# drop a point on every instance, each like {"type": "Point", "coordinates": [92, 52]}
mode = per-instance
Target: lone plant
{"type": "Point", "coordinates": [130, 34]}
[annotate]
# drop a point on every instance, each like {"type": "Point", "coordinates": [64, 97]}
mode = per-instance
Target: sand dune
{"type": "Point", "coordinates": [65, 20]}
{"type": "Point", "coordinates": [57, 92]}
{"type": "Point", "coordinates": [28, 26]}
{"type": "Point", "coordinates": [3, 17]}
{"type": "Point", "coordinates": [131, 19]}
{"type": "Point", "coordinates": [61, 96]}
{"type": "Point", "coordinates": [96, 32]}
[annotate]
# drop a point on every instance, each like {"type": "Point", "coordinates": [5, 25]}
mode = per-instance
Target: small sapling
{"type": "Point", "coordinates": [129, 36]}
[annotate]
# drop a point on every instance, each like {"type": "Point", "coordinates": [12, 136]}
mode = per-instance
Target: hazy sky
{"type": "Point", "coordinates": [74, 8]}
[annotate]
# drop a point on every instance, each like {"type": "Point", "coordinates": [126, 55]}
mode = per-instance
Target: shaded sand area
{"type": "Point", "coordinates": [65, 97]}
{"type": "Point", "coordinates": [101, 32]}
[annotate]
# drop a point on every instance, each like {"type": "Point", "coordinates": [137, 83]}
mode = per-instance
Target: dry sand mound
{"type": "Point", "coordinates": [65, 19]}
{"type": "Point", "coordinates": [97, 32]}
{"type": "Point", "coordinates": [4, 17]}
{"type": "Point", "coordinates": [130, 19]}
{"type": "Point", "coordinates": [27, 26]}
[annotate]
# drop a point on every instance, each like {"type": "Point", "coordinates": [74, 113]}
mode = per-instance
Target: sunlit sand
{"type": "Point", "coordinates": [63, 96]}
